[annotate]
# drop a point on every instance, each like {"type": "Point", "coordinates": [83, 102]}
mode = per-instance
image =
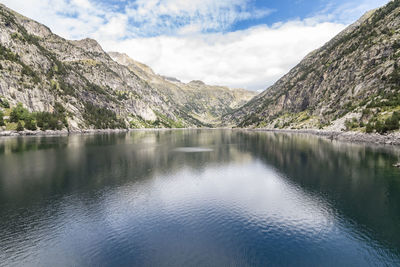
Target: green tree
{"type": "Point", "coordinates": [49, 121]}
{"type": "Point", "coordinates": [102, 118]}
{"type": "Point", "coordinates": [396, 115]}
{"type": "Point", "coordinates": [20, 127]}
{"type": "Point", "coordinates": [30, 123]}
{"type": "Point", "coordinates": [18, 113]}
{"type": "Point", "coordinates": [1, 118]}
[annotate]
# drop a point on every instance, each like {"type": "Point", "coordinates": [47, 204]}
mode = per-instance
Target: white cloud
{"type": "Point", "coordinates": [253, 58]}
{"type": "Point", "coordinates": [155, 17]}
{"type": "Point", "coordinates": [76, 19]}
{"type": "Point", "coordinates": [115, 28]}
{"type": "Point", "coordinates": [73, 19]}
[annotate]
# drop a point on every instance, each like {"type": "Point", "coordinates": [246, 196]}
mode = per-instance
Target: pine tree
{"type": "Point", "coordinates": [1, 118]}
{"type": "Point", "coordinates": [20, 128]}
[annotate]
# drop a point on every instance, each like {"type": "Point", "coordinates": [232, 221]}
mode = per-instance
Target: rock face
{"type": "Point", "coordinates": [45, 72]}
{"type": "Point", "coordinates": [351, 82]}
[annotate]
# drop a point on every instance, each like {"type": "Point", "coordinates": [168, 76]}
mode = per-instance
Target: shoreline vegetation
{"type": "Point", "coordinates": [345, 136]}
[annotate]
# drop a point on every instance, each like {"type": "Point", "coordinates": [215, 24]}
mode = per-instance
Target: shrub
{"type": "Point", "coordinates": [351, 124]}
{"type": "Point", "coordinates": [396, 115]}
{"type": "Point", "coordinates": [369, 128]}
{"type": "Point", "coordinates": [164, 121]}
{"type": "Point", "coordinates": [347, 124]}
{"type": "Point", "coordinates": [7, 54]}
{"type": "Point", "coordinates": [380, 127]}
{"type": "Point", "coordinates": [4, 103]}
{"type": "Point", "coordinates": [392, 123]}
{"type": "Point", "coordinates": [66, 88]}
{"type": "Point", "coordinates": [59, 109]}
{"type": "Point", "coordinates": [395, 76]}
{"type": "Point", "coordinates": [366, 111]}
{"type": "Point", "coordinates": [95, 88]}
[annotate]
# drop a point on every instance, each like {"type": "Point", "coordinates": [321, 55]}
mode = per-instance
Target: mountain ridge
{"type": "Point", "coordinates": [347, 84]}
{"type": "Point", "coordinates": [75, 84]}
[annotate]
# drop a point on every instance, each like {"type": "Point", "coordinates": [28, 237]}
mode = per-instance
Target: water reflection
{"type": "Point", "coordinates": [197, 197]}
{"type": "Point", "coordinates": [359, 179]}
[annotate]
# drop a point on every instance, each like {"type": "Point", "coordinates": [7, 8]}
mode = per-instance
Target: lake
{"type": "Point", "coordinates": [198, 198]}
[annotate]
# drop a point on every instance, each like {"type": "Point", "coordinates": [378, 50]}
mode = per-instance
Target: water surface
{"type": "Point", "coordinates": [197, 198]}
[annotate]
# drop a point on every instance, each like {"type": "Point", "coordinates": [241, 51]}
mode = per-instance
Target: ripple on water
{"type": "Point", "coordinates": [192, 149]}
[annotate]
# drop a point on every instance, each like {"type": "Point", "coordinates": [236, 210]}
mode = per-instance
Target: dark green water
{"type": "Point", "coordinates": [197, 198]}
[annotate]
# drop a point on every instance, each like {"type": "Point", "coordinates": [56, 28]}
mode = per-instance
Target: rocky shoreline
{"type": "Point", "coordinates": [85, 132]}
{"type": "Point", "coordinates": [353, 137]}
{"type": "Point", "coordinates": [59, 133]}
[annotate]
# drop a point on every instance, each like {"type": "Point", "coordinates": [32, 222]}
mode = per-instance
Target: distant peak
{"type": "Point", "coordinates": [117, 54]}
{"type": "Point", "coordinates": [171, 79]}
{"type": "Point", "coordinates": [125, 60]}
{"type": "Point", "coordinates": [89, 44]}
{"type": "Point", "coordinates": [197, 82]}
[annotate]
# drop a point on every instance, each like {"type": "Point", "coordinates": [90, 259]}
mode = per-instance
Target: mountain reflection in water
{"type": "Point", "coordinates": [197, 197]}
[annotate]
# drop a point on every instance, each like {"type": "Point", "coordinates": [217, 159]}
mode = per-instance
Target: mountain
{"type": "Point", "coordinates": [53, 83]}
{"type": "Point", "coordinates": [206, 103]}
{"type": "Point", "coordinates": [351, 83]}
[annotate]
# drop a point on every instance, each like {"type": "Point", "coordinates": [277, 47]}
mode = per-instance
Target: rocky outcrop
{"type": "Point", "coordinates": [352, 82]}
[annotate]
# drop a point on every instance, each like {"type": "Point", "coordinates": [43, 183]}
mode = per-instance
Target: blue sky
{"type": "Point", "coordinates": [238, 43]}
{"type": "Point", "coordinates": [260, 12]}
{"type": "Point", "coordinates": [284, 10]}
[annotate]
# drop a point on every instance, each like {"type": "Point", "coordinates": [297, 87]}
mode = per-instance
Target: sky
{"type": "Point", "coordinates": [237, 43]}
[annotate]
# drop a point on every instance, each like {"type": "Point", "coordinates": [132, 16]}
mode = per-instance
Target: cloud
{"type": "Point", "coordinates": [141, 18]}
{"type": "Point", "coordinates": [252, 58]}
{"type": "Point", "coordinates": [72, 19]}
{"type": "Point", "coordinates": [155, 17]}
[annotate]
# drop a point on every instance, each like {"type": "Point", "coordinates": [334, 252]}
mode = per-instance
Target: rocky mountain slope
{"type": "Point", "coordinates": [76, 85]}
{"type": "Point", "coordinates": [352, 82]}
{"type": "Point", "coordinates": [205, 103]}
